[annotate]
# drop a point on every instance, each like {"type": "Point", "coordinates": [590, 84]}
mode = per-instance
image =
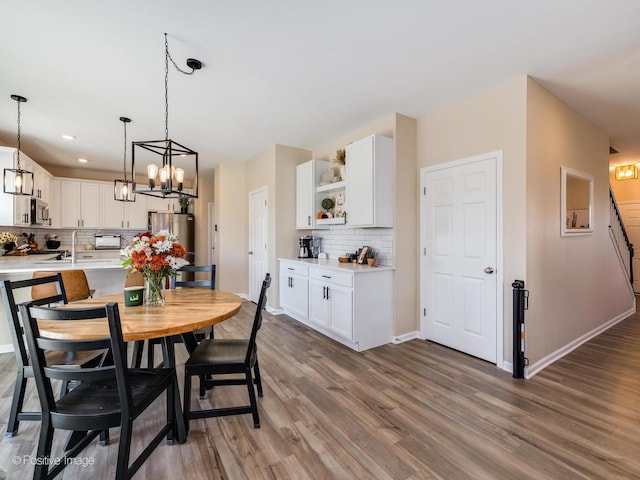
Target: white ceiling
{"type": "Point", "coordinates": [297, 72]}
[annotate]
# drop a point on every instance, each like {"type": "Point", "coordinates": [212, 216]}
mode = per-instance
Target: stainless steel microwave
{"type": "Point", "coordinates": [39, 212]}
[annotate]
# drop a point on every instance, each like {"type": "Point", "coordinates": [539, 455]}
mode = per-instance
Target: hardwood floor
{"type": "Point", "coordinates": [410, 411]}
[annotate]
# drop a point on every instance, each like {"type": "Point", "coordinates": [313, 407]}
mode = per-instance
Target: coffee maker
{"type": "Point", "coordinates": [309, 247]}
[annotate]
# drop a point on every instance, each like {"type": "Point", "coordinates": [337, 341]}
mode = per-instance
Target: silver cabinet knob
{"type": "Point", "coordinates": [488, 270]}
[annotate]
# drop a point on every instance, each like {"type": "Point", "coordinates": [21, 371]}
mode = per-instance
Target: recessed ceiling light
{"type": "Point", "coordinates": [68, 137]}
{"type": "Point", "coordinates": [83, 160]}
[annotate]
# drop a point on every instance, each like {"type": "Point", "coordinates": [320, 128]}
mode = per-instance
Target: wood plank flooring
{"type": "Point", "coordinates": [410, 411]}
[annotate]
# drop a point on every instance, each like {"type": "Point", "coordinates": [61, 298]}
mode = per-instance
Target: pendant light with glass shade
{"type": "Point", "coordinates": [123, 190]}
{"type": "Point", "coordinates": [177, 174]}
{"type": "Point", "coordinates": [17, 181]}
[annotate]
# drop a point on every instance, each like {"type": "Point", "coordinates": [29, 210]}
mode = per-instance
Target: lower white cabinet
{"type": "Point", "coordinates": [352, 304]}
{"type": "Point", "coordinates": [293, 289]}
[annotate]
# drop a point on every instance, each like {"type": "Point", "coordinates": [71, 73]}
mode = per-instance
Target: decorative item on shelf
{"type": "Point", "coordinates": [184, 204]}
{"type": "Point", "coordinates": [326, 176]}
{"type": "Point", "coordinates": [341, 155]}
{"type": "Point", "coordinates": [179, 166]}
{"type": "Point", "coordinates": [362, 255]}
{"type": "Point", "coordinates": [9, 240]}
{"type": "Point", "coordinates": [327, 204]}
{"type": "Point", "coordinates": [123, 189]}
{"type": "Point", "coordinates": [16, 180]}
{"type": "Point", "coordinates": [157, 257]}
{"type": "Point", "coordinates": [338, 210]}
{"type": "Point", "coordinates": [372, 257]}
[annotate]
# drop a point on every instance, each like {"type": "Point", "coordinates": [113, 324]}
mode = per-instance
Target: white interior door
{"type": "Point", "coordinates": [459, 237]}
{"type": "Point", "coordinates": [258, 235]}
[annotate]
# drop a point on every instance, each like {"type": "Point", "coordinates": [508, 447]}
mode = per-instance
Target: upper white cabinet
{"type": "Point", "coordinates": [307, 179]}
{"type": "Point", "coordinates": [369, 182]}
{"type": "Point", "coordinates": [15, 209]}
{"type": "Point", "coordinates": [79, 204]}
{"type": "Point", "coordinates": [122, 215]}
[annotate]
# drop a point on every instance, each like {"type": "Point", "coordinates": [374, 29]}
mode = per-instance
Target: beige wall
{"type": "Point", "coordinates": [275, 168]}
{"type": "Point", "coordinates": [201, 213]}
{"type": "Point", "coordinates": [489, 122]}
{"type": "Point", "coordinates": [231, 217]}
{"type": "Point", "coordinates": [625, 190]}
{"type": "Point", "coordinates": [576, 283]}
{"type": "Point", "coordinates": [405, 239]}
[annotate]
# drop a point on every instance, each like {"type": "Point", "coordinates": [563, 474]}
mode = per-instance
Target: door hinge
{"type": "Point", "coordinates": [265, 203]}
{"type": "Point", "coordinates": [424, 251]}
{"type": "Point", "coordinates": [424, 312]}
{"type": "Point", "coordinates": [424, 191]}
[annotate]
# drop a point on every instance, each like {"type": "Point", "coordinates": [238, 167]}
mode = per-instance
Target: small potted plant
{"type": "Point", "coordinates": [184, 204]}
{"type": "Point", "coordinates": [372, 256]}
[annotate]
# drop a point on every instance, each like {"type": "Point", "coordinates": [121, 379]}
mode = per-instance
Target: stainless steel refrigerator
{"type": "Point", "coordinates": [181, 224]}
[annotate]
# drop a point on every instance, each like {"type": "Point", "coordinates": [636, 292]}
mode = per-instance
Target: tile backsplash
{"type": "Point", "coordinates": [340, 241]}
{"type": "Point", "coordinates": [64, 235]}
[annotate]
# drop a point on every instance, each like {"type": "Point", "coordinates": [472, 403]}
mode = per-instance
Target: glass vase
{"type": "Point", "coordinates": [153, 290]}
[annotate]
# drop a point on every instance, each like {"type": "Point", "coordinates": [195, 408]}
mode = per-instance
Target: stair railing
{"type": "Point", "coordinates": [620, 237]}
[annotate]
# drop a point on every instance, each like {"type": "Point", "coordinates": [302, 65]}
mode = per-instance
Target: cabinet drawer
{"type": "Point", "coordinates": [294, 267]}
{"type": "Point", "coordinates": [332, 276]}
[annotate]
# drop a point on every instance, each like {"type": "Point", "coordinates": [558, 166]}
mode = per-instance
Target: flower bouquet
{"type": "Point", "coordinates": [156, 257]}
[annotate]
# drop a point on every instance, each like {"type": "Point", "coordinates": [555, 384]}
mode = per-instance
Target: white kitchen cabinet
{"type": "Point", "coordinates": [331, 300]}
{"type": "Point", "coordinates": [293, 289]}
{"type": "Point", "coordinates": [307, 180]}
{"type": "Point", "coordinates": [159, 204]}
{"type": "Point", "coordinates": [353, 304]}
{"type": "Point", "coordinates": [121, 215]}
{"type": "Point", "coordinates": [369, 182]}
{"type": "Point", "coordinates": [79, 204]}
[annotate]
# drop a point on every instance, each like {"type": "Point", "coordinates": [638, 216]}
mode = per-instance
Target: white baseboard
{"type": "Point", "coordinates": [6, 348]}
{"type": "Point", "coordinates": [405, 337]}
{"type": "Point", "coordinates": [561, 352]}
{"type": "Point", "coordinates": [274, 311]}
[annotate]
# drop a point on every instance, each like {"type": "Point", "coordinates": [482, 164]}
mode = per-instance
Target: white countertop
{"type": "Point", "coordinates": [335, 264]}
{"type": "Point", "coordinates": [10, 264]}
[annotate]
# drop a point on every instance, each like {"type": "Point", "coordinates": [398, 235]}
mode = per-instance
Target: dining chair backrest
{"type": "Point", "coordinates": [38, 345]}
{"type": "Point", "coordinates": [209, 283]}
{"type": "Point", "coordinates": [75, 284]}
{"type": "Point", "coordinates": [57, 294]}
{"type": "Point", "coordinates": [257, 319]}
{"type": "Point", "coordinates": [105, 396]}
{"type": "Point", "coordinates": [134, 279]}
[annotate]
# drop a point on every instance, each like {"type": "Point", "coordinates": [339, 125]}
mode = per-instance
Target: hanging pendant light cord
{"type": "Point", "coordinates": [19, 136]}
{"type": "Point", "coordinates": [124, 161]}
{"type": "Point", "coordinates": [167, 57]}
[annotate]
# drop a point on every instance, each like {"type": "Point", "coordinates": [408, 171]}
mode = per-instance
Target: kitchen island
{"type": "Point", "coordinates": [105, 276]}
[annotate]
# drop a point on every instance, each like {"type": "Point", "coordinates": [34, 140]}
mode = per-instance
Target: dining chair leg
{"type": "Point", "coordinates": [124, 448]}
{"type": "Point", "coordinates": [150, 354]}
{"type": "Point", "coordinates": [186, 406]}
{"type": "Point", "coordinates": [136, 361]}
{"type": "Point", "coordinates": [256, 369]}
{"type": "Point", "coordinates": [252, 398]}
{"type": "Point", "coordinates": [104, 438]}
{"type": "Point", "coordinates": [171, 412]}
{"type": "Point", "coordinates": [44, 450]}
{"type": "Point", "coordinates": [16, 404]}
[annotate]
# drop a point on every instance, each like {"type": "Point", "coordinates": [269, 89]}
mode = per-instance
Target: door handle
{"type": "Point", "coordinates": [251, 252]}
{"type": "Point", "coordinates": [488, 270]}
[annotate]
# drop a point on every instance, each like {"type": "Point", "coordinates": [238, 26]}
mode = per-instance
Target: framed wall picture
{"type": "Point", "coordinates": [362, 258]}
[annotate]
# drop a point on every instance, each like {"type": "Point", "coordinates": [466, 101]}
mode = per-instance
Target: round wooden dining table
{"type": "Point", "coordinates": [185, 311]}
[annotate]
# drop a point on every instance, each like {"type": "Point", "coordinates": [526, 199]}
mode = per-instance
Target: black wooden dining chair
{"type": "Point", "coordinates": [106, 396]}
{"type": "Point", "coordinates": [54, 285]}
{"type": "Point", "coordinates": [220, 357]}
{"type": "Point", "coordinates": [200, 334]}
